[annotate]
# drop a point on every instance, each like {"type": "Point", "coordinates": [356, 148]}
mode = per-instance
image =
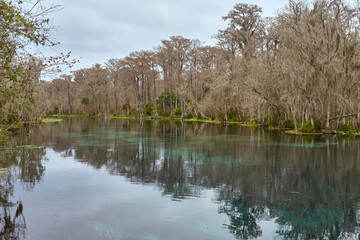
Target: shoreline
{"type": "Point", "coordinates": [288, 131]}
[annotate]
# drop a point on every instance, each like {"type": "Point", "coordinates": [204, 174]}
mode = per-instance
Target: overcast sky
{"type": "Point", "coordinates": [98, 30]}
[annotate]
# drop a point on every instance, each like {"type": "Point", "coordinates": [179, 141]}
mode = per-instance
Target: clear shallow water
{"type": "Point", "coordinates": [126, 179]}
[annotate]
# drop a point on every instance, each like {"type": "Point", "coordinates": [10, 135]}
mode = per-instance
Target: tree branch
{"type": "Point", "coordinates": [345, 116]}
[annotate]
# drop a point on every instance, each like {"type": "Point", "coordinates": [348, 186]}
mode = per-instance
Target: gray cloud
{"type": "Point", "coordinates": [98, 30]}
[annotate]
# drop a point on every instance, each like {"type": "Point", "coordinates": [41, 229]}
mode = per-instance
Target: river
{"type": "Point", "coordinates": [87, 178]}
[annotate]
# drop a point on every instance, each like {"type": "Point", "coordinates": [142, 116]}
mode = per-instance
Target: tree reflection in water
{"type": "Point", "coordinates": [12, 221]}
{"type": "Point", "coordinates": [308, 186]}
{"type": "Point", "coordinates": [23, 164]}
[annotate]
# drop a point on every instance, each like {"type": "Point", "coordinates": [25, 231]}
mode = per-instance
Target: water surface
{"type": "Point", "coordinates": [129, 179]}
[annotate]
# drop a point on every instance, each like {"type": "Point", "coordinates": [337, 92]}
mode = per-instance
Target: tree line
{"type": "Point", "coordinates": [297, 69]}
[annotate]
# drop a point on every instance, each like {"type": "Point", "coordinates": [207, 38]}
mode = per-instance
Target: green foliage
{"type": "Point", "coordinates": [165, 98]}
{"type": "Point", "coordinates": [68, 115]}
{"type": "Point", "coordinates": [112, 112]}
{"type": "Point", "coordinates": [18, 74]}
{"type": "Point", "coordinates": [209, 120]}
{"type": "Point", "coordinates": [160, 111]}
{"type": "Point", "coordinates": [189, 115]}
{"type": "Point", "coordinates": [4, 137]}
{"type": "Point", "coordinates": [270, 119]}
{"type": "Point", "coordinates": [134, 112]}
{"type": "Point", "coordinates": [253, 123]}
{"type": "Point", "coordinates": [149, 108]}
{"type": "Point", "coordinates": [233, 116]}
{"type": "Point", "coordinates": [288, 123]}
{"type": "Point", "coordinates": [308, 128]}
{"type": "Point", "coordinates": [220, 115]}
{"type": "Point", "coordinates": [317, 126]}
{"type": "Point", "coordinates": [347, 129]}
{"type": "Point", "coordinates": [18, 28]}
{"type": "Point", "coordinates": [126, 107]}
{"type": "Point", "coordinates": [177, 112]}
{"type": "Point", "coordinates": [85, 101]}
{"type": "Point", "coordinates": [56, 109]}
{"type": "Point", "coordinates": [49, 120]}
{"type": "Point", "coordinates": [199, 116]}
{"type": "Point", "coordinates": [163, 113]}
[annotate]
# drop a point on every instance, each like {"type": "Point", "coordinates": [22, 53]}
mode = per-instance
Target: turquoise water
{"type": "Point", "coordinates": [127, 179]}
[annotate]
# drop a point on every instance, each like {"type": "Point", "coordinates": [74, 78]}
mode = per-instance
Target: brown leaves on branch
{"type": "Point", "coordinates": [58, 64]}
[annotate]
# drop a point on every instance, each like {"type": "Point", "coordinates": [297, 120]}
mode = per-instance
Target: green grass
{"type": "Point", "coordinates": [277, 128]}
{"type": "Point", "coordinates": [247, 124]}
{"type": "Point", "coordinates": [48, 120]}
{"type": "Point", "coordinates": [293, 132]}
{"type": "Point", "coordinates": [347, 133]}
{"type": "Point", "coordinates": [68, 115]}
{"type": "Point", "coordinates": [337, 133]}
{"type": "Point", "coordinates": [120, 117]}
{"type": "Point", "coordinates": [201, 120]}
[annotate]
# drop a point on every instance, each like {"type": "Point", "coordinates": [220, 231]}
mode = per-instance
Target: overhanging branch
{"type": "Point", "coordinates": [345, 116]}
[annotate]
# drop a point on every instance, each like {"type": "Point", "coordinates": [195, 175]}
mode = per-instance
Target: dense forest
{"type": "Point", "coordinates": [298, 69]}
{"type": "Point", "coordinates": [301, 65]}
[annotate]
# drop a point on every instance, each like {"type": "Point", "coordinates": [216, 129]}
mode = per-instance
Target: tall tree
{"type": "Point", "coordinates": [19, 27]}
{"type": "Point", "coordinates": [114, 67]}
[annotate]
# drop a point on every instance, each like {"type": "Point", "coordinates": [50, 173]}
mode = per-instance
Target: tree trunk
{"type": "Point", "coordinates": [116, 100]}
{"type": "Point", "coordinates": [69, 100]}
{"type": "Point", "coordinates": [106, 105]}
{"type": "Point", "coordinates": [149, 91]}
{"type": "Point", "coordinates": [295, 123]}
{"type": "Point", "coordinates": [143, 93]}
{"type": "Point", "coordinates": [278, 116]}
{"type": "Point", "coordinates": [182, 107]}
{"type": "Point", "coordinates": [312, 120]}
{"type": "Point", "coordinates": [197, 90]}
{"type": "Point", "coordinates": [328, 118]}
{"type": "Point", "coordinates": [171, 103]}
{"type": "Point", "coordinates": [358, 86]}
{"type": "Point", "coordinates": [176, 101]}
{"type": "Point", "coordinates": [155, 103]}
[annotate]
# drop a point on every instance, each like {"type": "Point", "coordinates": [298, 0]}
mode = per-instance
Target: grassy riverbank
{"type": "Point", "coordinates": [68, 115]}
{"type": "Point", "coordinates": [49, 120]}
{"type": "Point", "coordinates": [299, 132]}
